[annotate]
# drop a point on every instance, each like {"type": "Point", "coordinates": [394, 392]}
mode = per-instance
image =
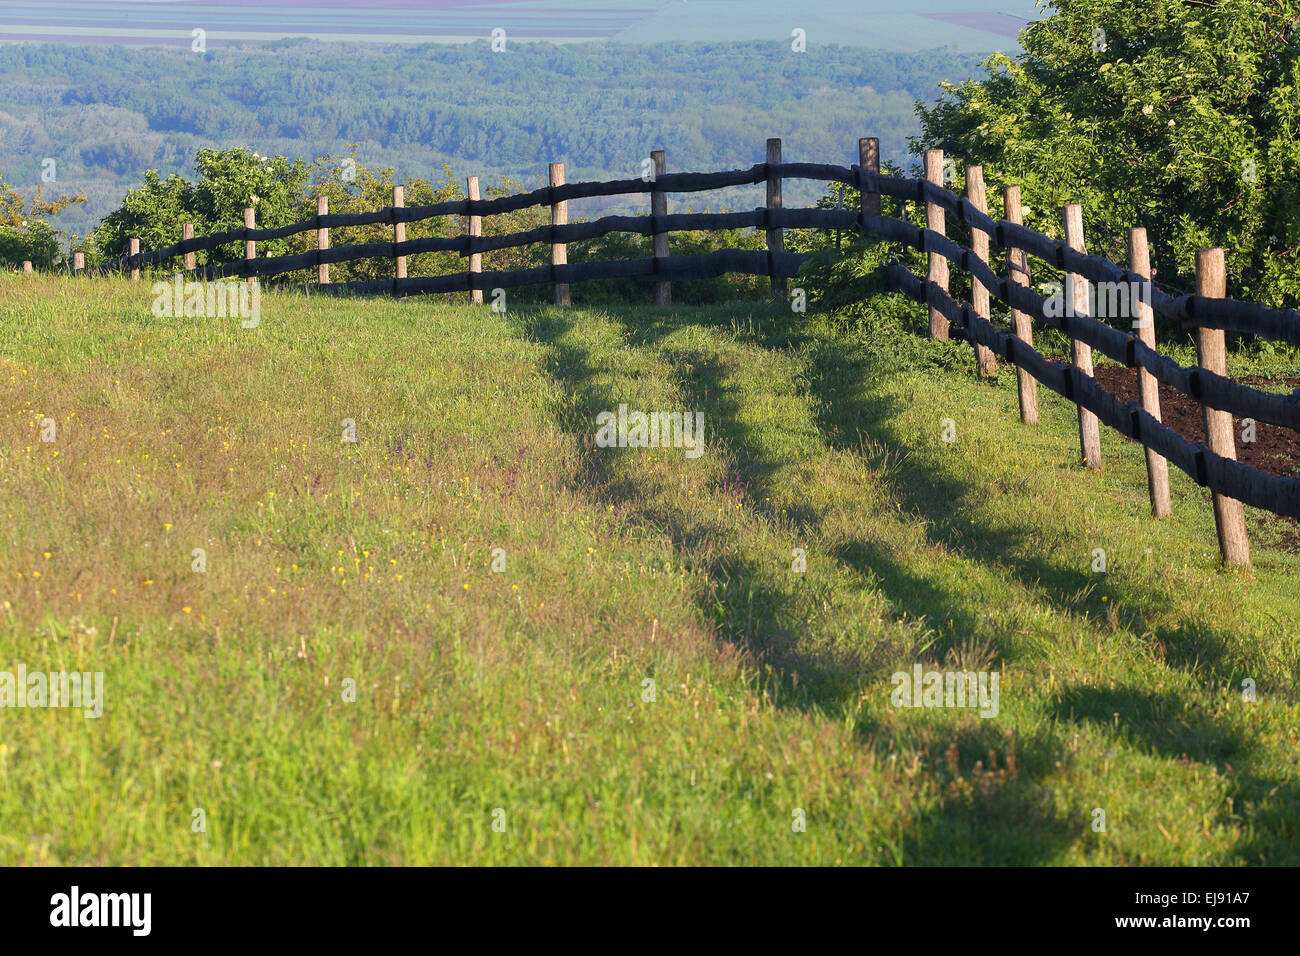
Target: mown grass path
{"type": "Point", "coordinates": [520, 697]}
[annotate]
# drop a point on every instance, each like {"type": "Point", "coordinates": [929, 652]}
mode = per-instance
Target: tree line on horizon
{"type": "Point", "coordinates": [1175, 116]}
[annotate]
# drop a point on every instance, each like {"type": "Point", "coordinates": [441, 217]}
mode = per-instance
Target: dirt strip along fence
{"type": "Point", "coordinates": [1207, 312]}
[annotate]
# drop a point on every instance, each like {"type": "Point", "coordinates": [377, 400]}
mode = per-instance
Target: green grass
{"type": "Point", "coordinates": [524, 691]}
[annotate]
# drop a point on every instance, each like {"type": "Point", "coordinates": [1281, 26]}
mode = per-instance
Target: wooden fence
{"type": "Point", "coordinates": [1208, 312]}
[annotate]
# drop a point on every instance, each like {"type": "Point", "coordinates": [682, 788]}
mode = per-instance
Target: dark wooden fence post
{"type": "Point", "coordinates": [133, 249]}
{"type": "Point", "coordinates": [986, 362]}
{"type": "Point", "coordinates": [1211, 355]}
{"type": "Point", "coordinates": [187, 232]}
{"type": "Point", "coordinates": [322, 241]}
{"type": "Point", "coordinates": [1018, 270]}
{"type": "Point", "coordinates": [1076, 303]}
{"type": "Point", "coordinates": [937, 270]}
{"type": "Point", "coordinates": [869, 160]}
{"type": "Point", "coordinates": [659, 207]}
{"type": "Point", "coordinates": [250, 247]}
{"type": "Point", "coordinates": [475, 230]}
{"type": "Point", "coordinates": [399, 232]}
{"type": "Point", "coordinates": [775, 237]}
{"type": "Point", "coordinates": [559, 250]}
{"type": "Point", "coordinates": [1139, 261]}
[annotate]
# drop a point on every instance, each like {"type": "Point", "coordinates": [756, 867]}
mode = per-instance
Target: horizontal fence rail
{"type": "Point", "coordinates": [1192, 310]}
{"type": "Point", "coordinates": [1205, 386]}
{"type": "Point", "coordinates": [476, 245]}
{"type": "Point", "coordinates": [1225, 475]}
{"type": "Point", "coordinates": [1209, 314]}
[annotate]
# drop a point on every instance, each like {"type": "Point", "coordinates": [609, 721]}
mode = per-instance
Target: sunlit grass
{"type": "Point", "coordinates": [337, 569]}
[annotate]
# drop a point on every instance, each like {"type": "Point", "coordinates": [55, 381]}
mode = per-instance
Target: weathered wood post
{"type": "Point", "coordinates": [399, 232]}
{"type": "Point", "coordinates": [475, 230]}
{"type": "Point", "coordinates": [559, 250]}
{"type": "Point", "coordinates": [659, 207]}
{"type": "Point", "coordinates": [775, 237]}
{"type": "Point", "coordinates": [869, 160]}
{"type": "Point", "coordinates": [1139, 261]}
{"type": "Point", "coordinates": [1018, 270]}
{"type": "Point", "coordinates": [839, 207]}
{"type": "Point", "coordinates": [986, 362]}
{"type": "Point", "coordinates": [1211, 355]}
{"type": "Point", "coordinates": [78, 263]}
{"type": "Point", "coordinates": [133, 249]}
{"type": "Point", "coordinates": [1076, 304]}
{"type": "Point", "coordinates": [250, 247]}
{"type": "Point", "coordinates": [27, 265]}
{"type": "Point", "coordinates": [187, 232]}
{"type": "Point", "coordinates": [937, 270]}
{"type": "Point", "coordinates": [322, 241]}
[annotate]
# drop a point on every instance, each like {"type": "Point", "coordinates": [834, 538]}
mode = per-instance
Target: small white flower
{"type": "Point", "coordinates": [1148, 109]}
{"type": "Point", "coordinates": [256, 200]}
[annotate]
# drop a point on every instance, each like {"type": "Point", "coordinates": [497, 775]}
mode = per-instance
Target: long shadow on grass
{"type": "Point", "coordinates": [950, 516]}
{"type": "Point", "coordinates": [947, 507]}
{"type": "Point", "coordinates": [742, 609]}
{"type": "Point", "coordinates": [849, 410]}
{"type": "Point", "coordinates": [1267, 805]}
{"type": "Point", "coordinates": [994, 806]}
{"type": "Point", "coordinates": [851, 415]}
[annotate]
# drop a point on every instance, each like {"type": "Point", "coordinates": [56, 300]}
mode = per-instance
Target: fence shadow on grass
{"type": "Point", "coordinates": [847, 413]}
{"type": "Point", "coordinates": [989, 817]}
{"type": "Point", "coordinates": [1160, 725]}
{"type": "Point", "coordinates": [1190, 645]}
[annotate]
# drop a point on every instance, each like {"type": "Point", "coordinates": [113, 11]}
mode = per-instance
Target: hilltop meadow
{"type": "Point", "coordinates": [472, 635]}
{"type": "Point", "coordinates": [379, 580]}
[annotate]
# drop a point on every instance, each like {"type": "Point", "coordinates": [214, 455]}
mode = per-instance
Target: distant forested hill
{"type": "Point", "coordinates": [107, 113]}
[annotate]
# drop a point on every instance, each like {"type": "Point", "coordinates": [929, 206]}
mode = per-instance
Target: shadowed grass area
{"type": "Point", "coordinates": [647, 680]}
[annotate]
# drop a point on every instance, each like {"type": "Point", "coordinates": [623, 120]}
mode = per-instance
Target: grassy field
{"type": "Point", "coordinates": [519, 697]}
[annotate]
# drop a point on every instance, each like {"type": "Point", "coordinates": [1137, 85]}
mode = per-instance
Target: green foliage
{"type": "Point", "coordinates": [844, 276]}
{"type": "Point", "coordinates": [152, 212]}
{"type": "Point", "coordinates": [37, 243]}
{"type": "Point", "coordinates": [1173, 115]}
{"type": "Point", "coordinates": [229, 180]}
{"type": "Point", "coordinates": [232, 179]}
{"type": "Point", "coordinates": [25, 234]}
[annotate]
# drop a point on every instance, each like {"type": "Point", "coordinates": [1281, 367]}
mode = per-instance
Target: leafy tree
{"type": "Point", "coordinates": [236, 178]}
{"type": "Point", "coordinates": [25, 234]}
{"type": "Point", "coordinates": [152, 212]}
{"type": "Point", "coordinates": [1176, 115]}
{"type": "Point", "coordinates": [230, 180]}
